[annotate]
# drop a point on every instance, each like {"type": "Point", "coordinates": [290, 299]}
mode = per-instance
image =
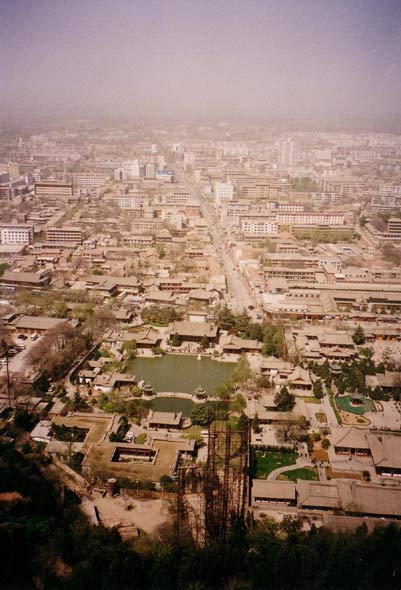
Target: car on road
{"type": "Point", "coordinates": [22, 337]}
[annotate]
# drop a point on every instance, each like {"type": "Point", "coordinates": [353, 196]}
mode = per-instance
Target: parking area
{"type": "Point", "coordinates": [18, 354]}
{"type": "Point", "coordinates": [387, 416]}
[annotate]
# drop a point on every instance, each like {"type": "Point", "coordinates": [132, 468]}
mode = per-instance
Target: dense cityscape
{"type": "Point", "coordinates": [200, 352]}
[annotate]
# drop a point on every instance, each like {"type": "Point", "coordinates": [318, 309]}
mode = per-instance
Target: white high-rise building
{"type": "Point", "coordinates": [223, 191]}
{"type": "Point", "coordinates": [286, 152]}
{"type": "Point", "coordinates": [149, 170]}
{"type": "Point", "coordinates": [189, 159]}
{"type": "Point", "coordinates": [121, 174]}
{"type": "Point", "coordinates": [131, 168]}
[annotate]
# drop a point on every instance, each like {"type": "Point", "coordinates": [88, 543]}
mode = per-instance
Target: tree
{"type": "Point", "coordinates": [98, 321]}
{"type": "Point", "coordinates": [204, 342]}
{"type": "Point", "coordinates": [362, 220]}
{"type": "Point", "coordinates": [391, 253]}
{"type": "Point", "coordinates": [325, 443]}
{"type": "Point", "coordinates": [130, 349]}
{"type": "Point", "coordinates": [24, 420]}
{"type": "Point", "coordinates": [78, 403]}
{"type": "Point", "coordinates": [238, 404]}
{"type": "Point", "coordinates": [116, 437]}
{"type": "Point", "coordinates": [60, 309]}
{"type": "Point", "coordinates": [359, 336]}
{"type": "Point", "coordinates": [318, 389]}
{"type": "Point", "coordinates": [59, 348]}
{"type": "Point", "coordinates": [136, 391]}
{"type": "Point", "coordinates": [284, 400]}
{"type": "Point", "coordinates": [287, 432]}
{"type": "Point", "coordinates": [377, 393]}
{"type": "Point", "coordinates": [242, 371]}
{"type": "Point", "coordinates": [243, 422]}
{"type": "Point", "coordinates": [3, 267]}
{"type": "Point", "coordinates": [161, 252]}
{"type": "Point", "coordinates": [225, 318]}
{"type": "Point", "coordinates": [366, 353]}
{"type": "Point", "coordinates": [202, 415]}
{"type": "Point", "coordinates": [223, 390]}
{"type": "Point", "coordinates": [175, 340]}
{"type": "Point", "coordinates": [167, 484]}
{"type": "Point", "coordinates": [255, 424]}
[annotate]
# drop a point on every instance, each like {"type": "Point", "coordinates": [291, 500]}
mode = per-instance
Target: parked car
{"type": "Point", "coordinates": [22, 337]}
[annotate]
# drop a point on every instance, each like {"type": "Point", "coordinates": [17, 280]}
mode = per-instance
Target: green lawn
{"type": "Point", "coordinates": [302, 473]}
{"type": "Point", "coordinates": [141, 438]}
{"type": "Point", "coordinates": [335, 409]}
{"type": "Point", "coordinates": [343, 403]}
{"type": "Point", "coordinates": [193, 432]}
{"type": "Point", "coordinates": [268, 461]}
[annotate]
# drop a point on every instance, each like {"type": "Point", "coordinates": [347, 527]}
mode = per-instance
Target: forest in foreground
{"type": "Point", "coordinates": [46, 543]}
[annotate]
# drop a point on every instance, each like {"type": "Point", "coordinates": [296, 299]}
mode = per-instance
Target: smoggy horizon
{"type": "Point", "coordinates": [268, 60]}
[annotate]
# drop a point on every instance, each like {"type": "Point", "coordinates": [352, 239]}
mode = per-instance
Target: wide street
{"type": "Point", "coordinates": [239, 296]}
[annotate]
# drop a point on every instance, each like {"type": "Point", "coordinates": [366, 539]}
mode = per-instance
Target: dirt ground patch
{"type": "Point", "coordinates": [146, 515]}
{"type": "Point", "coordinates": [343, 474]}
{"type": "Point", "coordinates": [320, 455]}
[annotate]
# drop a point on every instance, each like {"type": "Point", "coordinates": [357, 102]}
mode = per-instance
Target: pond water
{"type": "Point", "coordinates": [180, 373]}
{"type": "Point", "coordinates": [173, 404]}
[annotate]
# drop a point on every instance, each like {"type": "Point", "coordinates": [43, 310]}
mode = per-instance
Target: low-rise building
{"type": "Point", "coordinates": [18, 278]}
{"type": "Point", "coordinates": [165, 420]}
{"type": "Point", "coordinates": [194, 331]}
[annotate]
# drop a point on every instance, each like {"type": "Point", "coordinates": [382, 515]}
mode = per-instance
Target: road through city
{"type": "Point", "coordinates": [240, 298]}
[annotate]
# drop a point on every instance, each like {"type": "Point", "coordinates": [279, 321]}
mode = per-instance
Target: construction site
{"type": "Point", "coordinates": [212, 496]}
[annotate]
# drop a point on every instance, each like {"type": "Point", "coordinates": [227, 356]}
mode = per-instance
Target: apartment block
{"type": "Point", "coordinates": [65, 235]}
{"type": "Point", "coordinates": [129, 201]}
{"type": "Point", "coordinates": [16, 234]}
{"type": "Point", "coordinates": [90, 179]}
{"type": "Point", "coordinates": [137, 240]}
{"type": "Point", "coordinates": [53, 189]}
{"type": "Point", "coordinates": [223, 191]}
{"type": "Point", "coordinates": [259, 227]}
{"type": "Point", "coordinates": [394, 225]}
{"type": "Point", "coordinates": [178, 197]}
{"type": "Point", "coordinates": [331, 219]}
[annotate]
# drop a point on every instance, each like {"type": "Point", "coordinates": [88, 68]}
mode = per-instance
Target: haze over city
{"type": "Point", "coordinates": [262, 58]}
{"type": "Point", "coordinates": [200, 295]}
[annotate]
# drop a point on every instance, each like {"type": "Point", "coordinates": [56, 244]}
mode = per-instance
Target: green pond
{"type": "Point", "coordinates": [180, 373]}
{"type": "Point", "coordinates": [173, 404]}
{"type": "Point", "coordinates": [344, 403]}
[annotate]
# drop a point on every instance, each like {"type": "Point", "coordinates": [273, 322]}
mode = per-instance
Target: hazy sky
{"type": "Point", "coordinates": [299, 58]}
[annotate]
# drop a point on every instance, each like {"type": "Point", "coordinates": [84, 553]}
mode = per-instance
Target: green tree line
{"type": "Point", "coordinates": [47, 543]}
